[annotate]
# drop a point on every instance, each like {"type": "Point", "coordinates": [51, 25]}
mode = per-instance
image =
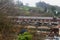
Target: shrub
{"type": "Point", "coordinates": [25, 36]}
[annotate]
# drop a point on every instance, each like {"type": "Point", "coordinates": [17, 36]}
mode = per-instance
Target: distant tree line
{"type": "Point", "coordinates": [48, 8]}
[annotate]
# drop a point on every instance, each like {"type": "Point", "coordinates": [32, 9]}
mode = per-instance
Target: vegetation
{"type": "Point", "coordinates": [8, 31]}
{"type": "Point", "coordinates": [19, 9]}
{"type": "Point", "coordinates": [25, 36]}
{"type": "Point", "coordinates": [5, 27]}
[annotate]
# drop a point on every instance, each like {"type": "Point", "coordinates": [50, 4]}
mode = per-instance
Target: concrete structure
{"type": "Point", "coordinates": [32, 20]}
{"type": "Point", "coordinates": [29, 19]}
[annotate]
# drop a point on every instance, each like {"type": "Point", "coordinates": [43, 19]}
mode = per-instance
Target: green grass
{"type": "Point", "coordinates": [27, 8]}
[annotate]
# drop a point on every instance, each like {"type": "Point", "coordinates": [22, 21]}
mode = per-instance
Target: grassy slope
{"type": "Point", "coordinates": [25, 11]}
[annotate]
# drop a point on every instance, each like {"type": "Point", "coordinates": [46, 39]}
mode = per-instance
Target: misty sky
{"type": "Point", "coordinates": [32, 2]}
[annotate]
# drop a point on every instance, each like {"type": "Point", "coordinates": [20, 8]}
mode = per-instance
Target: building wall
{"type": "Point", "coordinates": [34, 19]}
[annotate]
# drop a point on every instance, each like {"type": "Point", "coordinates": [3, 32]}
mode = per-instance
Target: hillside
{"type": "Point", "coordinates": [41, 9]}
{"type": "Point", "coordinates": [45, 5]}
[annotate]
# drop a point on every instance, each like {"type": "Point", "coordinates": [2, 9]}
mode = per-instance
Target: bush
{"type": "Point", "coordinates": [25, 36]}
